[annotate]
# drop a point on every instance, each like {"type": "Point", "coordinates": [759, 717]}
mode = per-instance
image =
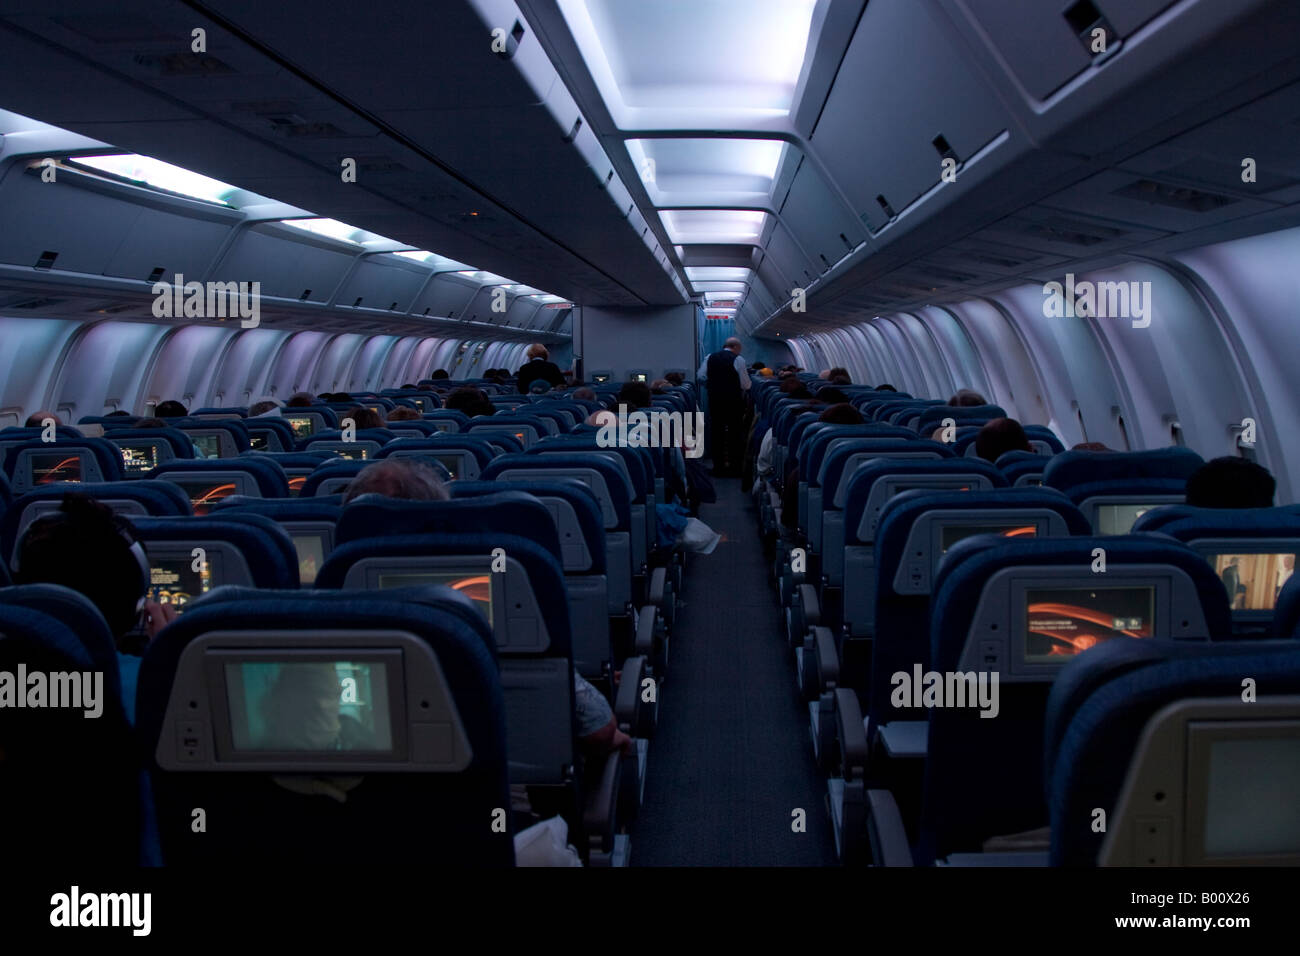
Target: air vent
{"type": "Point", "coordinates": [117, 27]}
{"type": "Point", "coordinates": [1177, 197]}
{"type": "Point", "coordinates": [949, 276]}
{"type": "Point", "coordinates": [183, 64]}
{"type": "Point", "coordinates": [884, 204]}
{"type": "Point", "coordinates": [46, 260]}
{"type": "Point", "coordinates": [1073, 233]}
{"type": "Point", "coordinates": [155, 275]}
{"type": "Point", "coordinates": [30, 304]}
{"type": "Point", "coordinates": [379, 164]}
{"type": "Point", "coordinates": [992, 260]}
{"type": "Point", "coordinates": [304, 130]}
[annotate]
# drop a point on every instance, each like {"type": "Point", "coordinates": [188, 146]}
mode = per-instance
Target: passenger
{"type": "Point", "coordinates": [837, 374]}
{"type": "Point", "coordinates": [85, 547]}
{"type": "Point", "coordinates": [470, 400]}
{"type": "Point", "coordinates": [265, 408]}
{"type": "Point", "coordinates": [841, 414]}
{"type": "Point", "coordinates": [171, 409]}
{"type": "Point", "coordinates": [727, 382]}
{"type": "Point", "coordinates": [120, 413]}
{"type": "Point", "coordinates": [539, 387]}
{"type": "Point", "coordinates": [403, 413]}
{"type": "Point", "coordinates": [885, 388]}
{"type": "Point", "coordinates": [999, 436]}
{"type": "Point", "coordinates": [965, 398]}
{"type": "Point", "coordinates": [634, 395]}
{"type": "Point", "coordinates": [832, 396]}
{"type": "Point", "coordinates": [37, 419]}
{"type": "Point", "coordinates": [300, 400]}
{"type": "Point", "coordinates": [362, 417]}
{"type": "Point", "coordinates": [440, 374]}
{"type": "Point", "coordinates": [659, 386]}
{"type": "Point", "coordinates": [538, 366]}
{"type": "Point", "coordinates": [1090, 446]}
{"type": "Point", "coordinates": [584, 394]}
{"type": "Point", "coordinates": [412, 480]}
{"type": "Point", "coordinates": [150, 423]}
{"type": "Point", "coordinates": [1231, 482]}
{"type": "Point", "coordinates": [793, 388]}
{"type": "Point", "coordinates": [675, 378]}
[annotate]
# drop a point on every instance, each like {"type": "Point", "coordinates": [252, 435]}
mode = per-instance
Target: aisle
{"type": "Point", "coordinates": [731, 757]}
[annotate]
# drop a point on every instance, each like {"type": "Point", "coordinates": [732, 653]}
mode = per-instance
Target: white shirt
{"type": "Point", "coordinates": [742, 370]}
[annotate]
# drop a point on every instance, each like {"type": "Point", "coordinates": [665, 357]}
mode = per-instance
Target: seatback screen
{"type": "Point", "coordinates": [1253, 581]}
{"type": "Point", "coordinates": [1251, 795]}
{"type": "Point", "coordinates": [1062, 622]}
{"type": "Point", "coordinates": [208, 445]}
{"type": "Point", "coordinates": [295, 485]}
{"type": "Point", "coordinates": [1118, 519]}
{"type": "Point", "coordinates": [311, 555]}
{"type": "Point", "coordinates": [258, 441]}
{"type": "Point", "coordinates": [205, 494]}
{"type": "Point", "coordinates": [138, 459]}
{"type": "Point", "coordinates": [476, 587]}
{"type": "Point", "coordinates": [951, 534]}
{"type": "Point", "coordinates": [51, 466]}
{"type": "Point", "coordinates": [302, 425]}
{"type": "Point", "coordinates": [175, 581]}
{"type": "Point", "coordinates": [450, 462]}
{"type": "Point", "coordinates": [309, 706]}
{"type": "Point", "coordinates": [352, 454]}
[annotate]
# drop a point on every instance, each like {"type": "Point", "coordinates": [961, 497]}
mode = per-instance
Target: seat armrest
{"type": "Point", "coordinates": [599, 819]}
{"type": "Point", "coordinates": [828, 660]}
{"type": "Point", "coordinates": [885, 830]}
{"type": "Point", "coordinates": [629, 709]}
{"type": "Point", "coordinates": [655, 588]}
{"type": "Point", "coordinates": [812, 605]}
{"type": "Point", "coordinates": [853, 737]}
{"type": "Point", "coordinates": [645, 630]}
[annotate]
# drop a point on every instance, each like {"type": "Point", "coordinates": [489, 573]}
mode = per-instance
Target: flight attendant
{"type": "Point", "coordinates": [727, 381]}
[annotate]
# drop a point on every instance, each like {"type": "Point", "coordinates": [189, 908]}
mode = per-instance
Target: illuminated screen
{"type": "Point", "coordinates": [951, 534]}
{"type": "Point", "coordinates": [351, 454]}
{"type": "Point", "coordinates": [295, 485]}
{"type": "Point", "coordinates": [1253, 581]}
{"type": "Point", "coordinates": [477, 587]}
{"type": "Point", "coordinates": [174, 581]}
{"type": "Point", "coordinates": [444, 426]}
{"type": "Point", "coordinates": [1118, 519]}
{"type": "Point", "coordinates": [1062, 622]}
{"type": "Point", "coordinates": [205, 494]}
{"type": "Point", "coordinates": [51, 466]}
{"type": "Point", "coordinates": [600, 379]}
{"type": "Point", "coordinates": [1251, 795]}
{"type": "Point", "coordinates": [450, 462]}
{"type": "Point", "coordinates": [311, 555]}
{"type": "Point", "coordinates": [208, 445]}
{"type": "Point", "coordinates": [137, 459]}
{"type": "Point", "coordinates": [258, 442]}
{"type": "Point", "coordinates": [302, 425]}
{"type": "Point", "coordinates": [378, 410]}
{"type": "Point", "coordinates": [309, 706]}
{"type": "Point", "coordinates": [639, 377]}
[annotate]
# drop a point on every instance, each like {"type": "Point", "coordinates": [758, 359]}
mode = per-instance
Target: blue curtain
{"type": "Point", "coordinates": [714, 333]}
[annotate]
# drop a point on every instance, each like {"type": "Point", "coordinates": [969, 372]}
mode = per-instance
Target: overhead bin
{"type": "Point", "coordinates": [819, 220]}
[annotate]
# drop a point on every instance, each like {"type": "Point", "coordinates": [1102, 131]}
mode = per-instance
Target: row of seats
{"type": "Point", "coordinates": [986, 662]}
{"type": "Point", "coordinates": [443, 635]}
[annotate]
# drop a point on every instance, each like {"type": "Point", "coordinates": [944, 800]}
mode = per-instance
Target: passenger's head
{"type": "Point", "coordinates": [732, 345]}
{"type": "Point", "coordinates": [584, 394]}
{"type": "Point", "coordinates": [1090, 446]}
{"type": "Point", "coordinates": [634, 395]}
{"type": "Point", "coordinates": [885, 388]}
{"type": "Point", "coordinates": [262, 407]}
{"type": "Point", "coordinates": [966, 398]}
{"type": "Point", "coordinates": [841, 380]}
{"type": "Point", "coordinates": [37, 419]}
{"type": "Point", "coordinates": [363, 417]}
{"type": "Point", "coordinates": [120, 413]}
{"type": "Point", "coordinates": [171, 409]}
{"type": "Point", "coordinates": [539, 387]}
{"type": "Point", "coordinates": [839, 372]}
{"type": "Point", "coordinates": [439, 374]}
{"type": "Point", "coordinates": [659, 386]}
{"type": "Point", "coordinates": [793, 388]}
{"type": "Point", "coordinates": [831, 396]}
{"type": "Point", "coordinates": [150, 423]}
{"type": "Point", "coordinates": [841, 414]}
{"type": "Point", "coordinates": [406, 478]}
{"type": "Point", "coordinates": [1231, 482]}
{"type": "Point", "coordinates": [300, 400]}
{"type": "Point", "coordinates": [999, 436]}
{"type": "Point", "coordinates": [85, 547]}
{"type": "Point", "coordinates": [602, 418]}
{"type": "Point", "coordinates": [537, 351]}
{"type": "Point", "coordinates": [470, 400]}
{"type": "Point", "coordinates": [675, 378]}
{"type": "Point", "coordinates": [403, 413]}
{"type": "Point", "coordinates": [756, 366]}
